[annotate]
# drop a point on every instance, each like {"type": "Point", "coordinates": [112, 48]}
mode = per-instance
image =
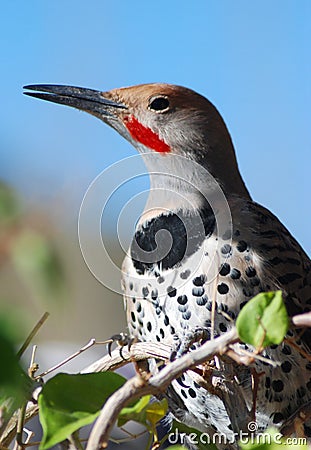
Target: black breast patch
{"type": "Point", "coordinates": [167, 240]}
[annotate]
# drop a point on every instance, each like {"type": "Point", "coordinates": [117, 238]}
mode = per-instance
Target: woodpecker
{"type": "Point", "coordinates": [201, 249]}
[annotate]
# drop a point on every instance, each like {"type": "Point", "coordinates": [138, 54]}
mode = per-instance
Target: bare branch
{"type": "Point", "coordinates": [69, 358]}
{"type": "Point", "coordinates": [302, 320]}
{"type": "Point", "coordinates": [158, 383]}
{"type": "Point", "coordinates": [138, 386]}
{"type": "Point", "coordinates": [138, 352]}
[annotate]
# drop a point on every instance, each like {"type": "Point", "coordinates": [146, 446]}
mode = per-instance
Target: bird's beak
{"type": "Point", "coordinates": [89, 100]}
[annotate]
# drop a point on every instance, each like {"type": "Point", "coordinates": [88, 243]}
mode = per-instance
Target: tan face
{"type": "Point", "coordinates": [158, 115]}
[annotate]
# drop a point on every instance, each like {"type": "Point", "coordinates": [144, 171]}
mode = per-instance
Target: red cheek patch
{"type": "Point", "coordinates": [145, 135]}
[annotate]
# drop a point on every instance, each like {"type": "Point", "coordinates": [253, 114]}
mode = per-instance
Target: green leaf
{"type": "Point", "coordinates": [15, 385]}
{"type": "Point", "coordinates": [37, 262]}
{"type": "Point", "coordinates": [155, 411]}
{"type": "Point", "coordinates": [144, 412]}
{"type": "Point", "coordinates": [134, 412]}
{"type": "Point", "coordinates": [263, 321]}
{"type": "Point", "coordinates": [10, 369]}
{"type": "Point", "coordinates": [69, 402]}
{"type": "Point", "coordinates": [147, 413]}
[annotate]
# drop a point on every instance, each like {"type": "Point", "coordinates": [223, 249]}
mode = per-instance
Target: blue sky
{"type": "Point", "coordinates": [251, 59]}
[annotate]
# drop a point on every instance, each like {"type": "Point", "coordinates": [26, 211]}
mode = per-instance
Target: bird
{"type": "Point", "coordinates": [201, 249]}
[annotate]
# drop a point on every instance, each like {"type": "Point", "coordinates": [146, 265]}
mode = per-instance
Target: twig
{"type": "Point", "coordinates": [32, 334]}
{"type": "Point", "coordinates": [33, 366]}
{"type": "Point", "coordinates": [292, 343]}
{"type": "Point", "coordinates": [237, 353]}
{"type": "Point", "coordinates": [66, 360]}
{"type": "Point", "coordinates": [26, 441]}
{"type": "Point", "coordinates": [75, 443]}
{"type": "Point", "coordinates": [20, 427]}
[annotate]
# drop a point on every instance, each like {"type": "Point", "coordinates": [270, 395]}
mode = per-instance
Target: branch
{"type": "Point", "coordinates": [302, 320]}
{"type": "Point", "coordinates": [155, 385]}
{"type": "Point", "coordinates": [139, 386]}
{"type": "Point", "coordinates": [139, 351]}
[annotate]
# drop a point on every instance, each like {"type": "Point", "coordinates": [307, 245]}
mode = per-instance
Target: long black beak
{"type": "Point", "coordinates": [84, 99]}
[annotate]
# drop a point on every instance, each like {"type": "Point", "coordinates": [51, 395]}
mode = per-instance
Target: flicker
{"type": "Point", "coordinates": [202, 248]}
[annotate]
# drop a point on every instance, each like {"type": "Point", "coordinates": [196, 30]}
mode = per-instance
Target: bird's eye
{"type": "Point", "coordinates": [159, 104]}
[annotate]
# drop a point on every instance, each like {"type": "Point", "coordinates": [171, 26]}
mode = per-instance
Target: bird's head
{"type": "Point", "coordinates": [163, 120]}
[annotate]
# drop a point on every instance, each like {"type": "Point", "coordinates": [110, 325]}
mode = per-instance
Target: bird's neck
{"type": "Point", "coordinates": [176, 184]}
{"type": "Point", "coordinates": [181, 184]}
